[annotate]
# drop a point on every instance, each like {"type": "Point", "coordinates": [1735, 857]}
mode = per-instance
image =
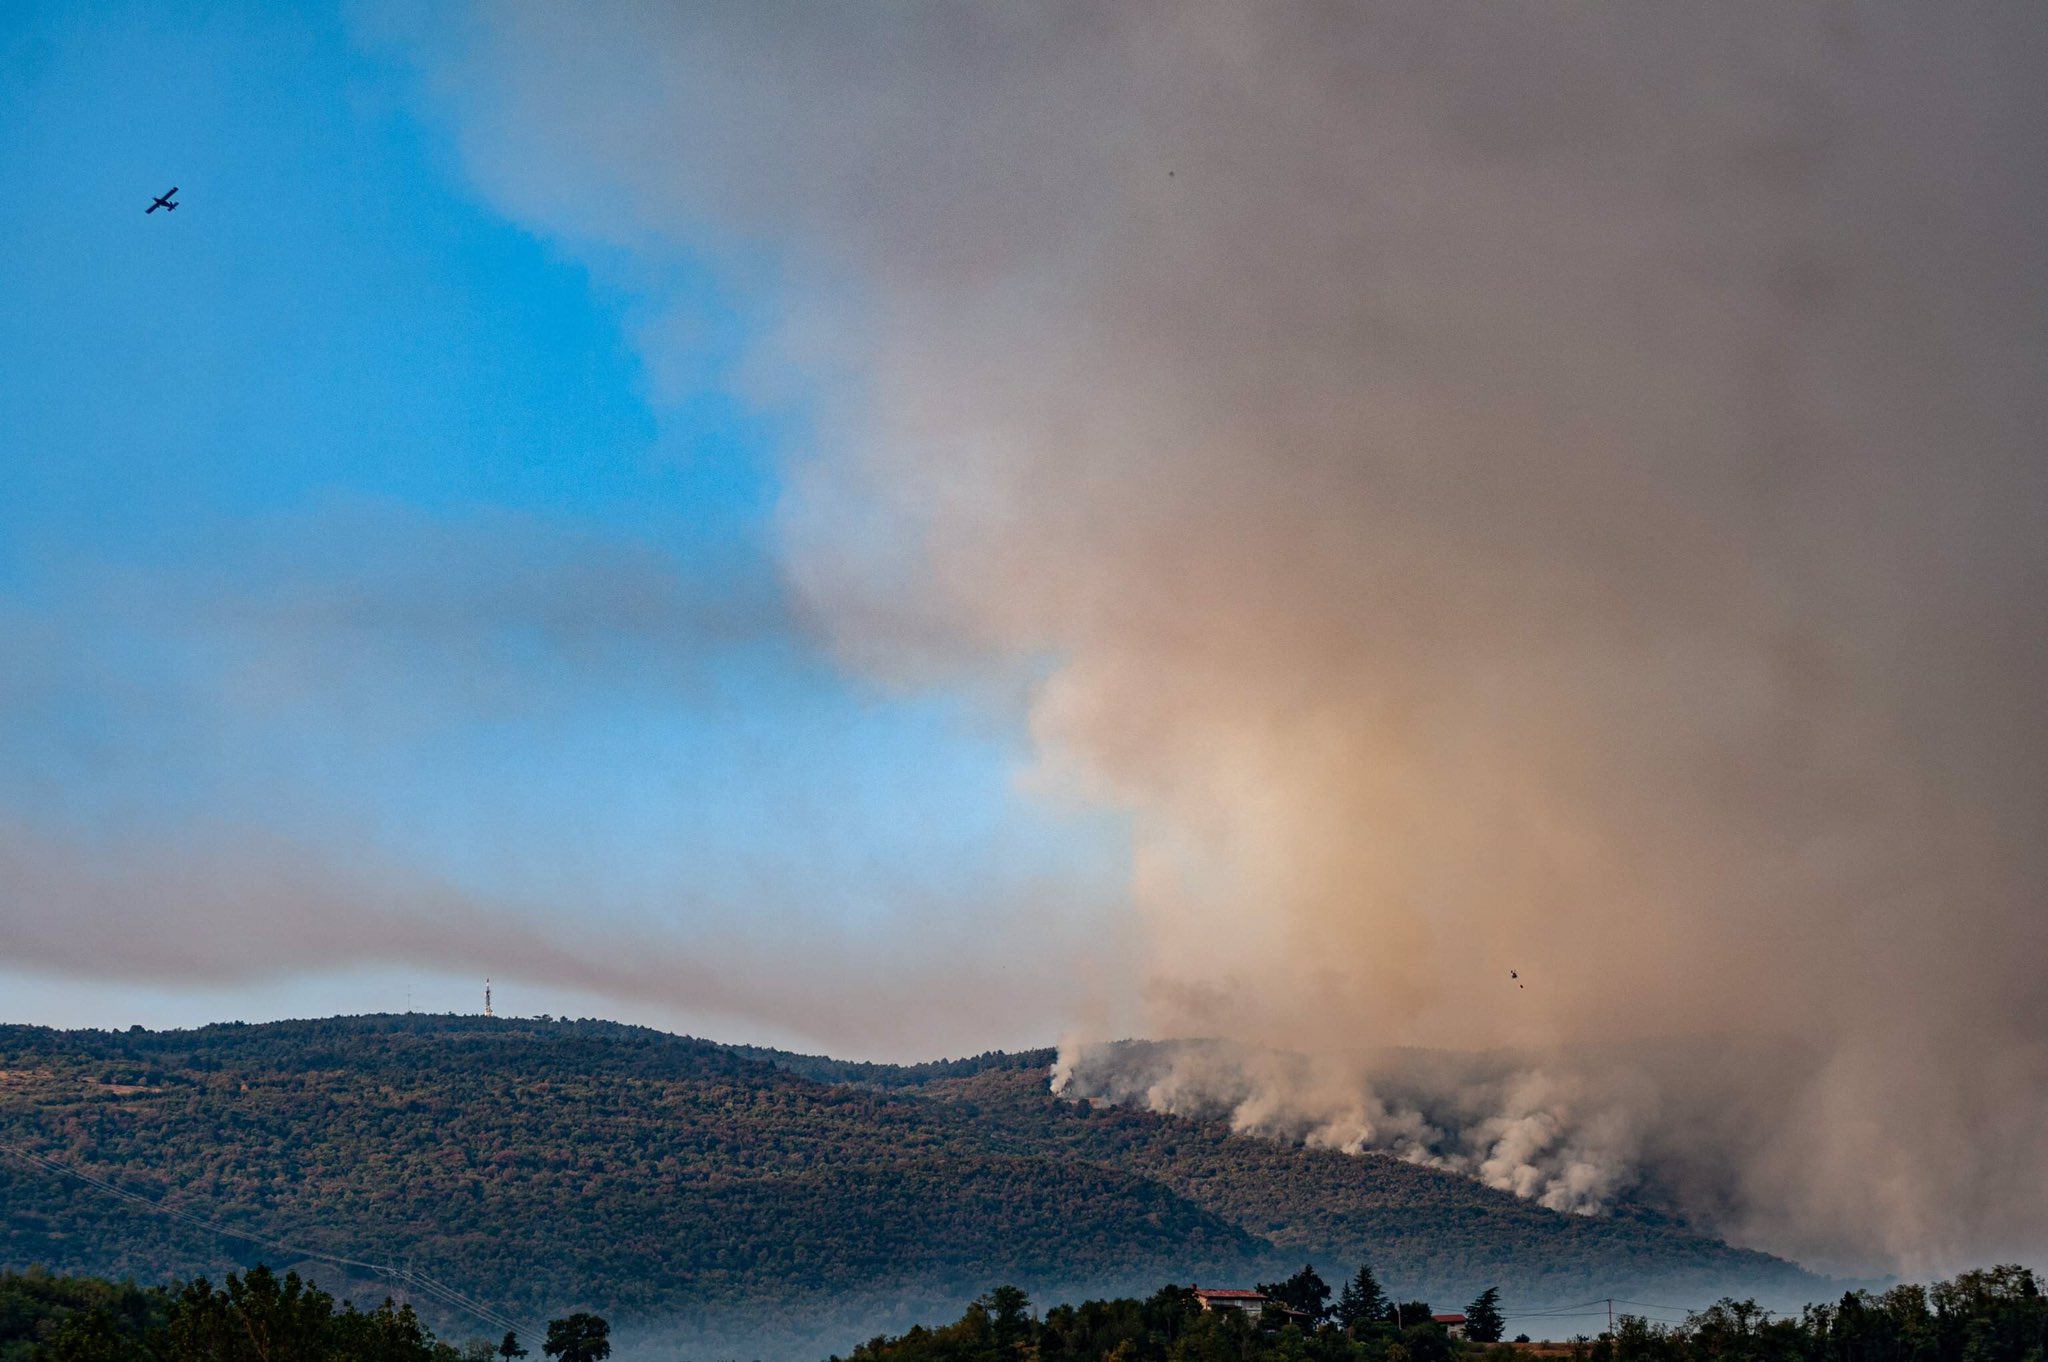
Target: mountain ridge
{"type": "Point", "coordinates": [542, 1164]}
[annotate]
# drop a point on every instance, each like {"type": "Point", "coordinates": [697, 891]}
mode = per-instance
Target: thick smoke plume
{"type": "Point", "coordinates": [1486, 486]}
{"type": "Point", "coordinates": [1514, 1127]}
{"type": "Point", "coordinates": [1673, 1127]}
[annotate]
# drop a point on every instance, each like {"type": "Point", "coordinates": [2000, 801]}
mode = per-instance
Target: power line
{"type": "Point", "coordinates": [1604, 1306]}
{"type": "Point", "coordinates": [1592, 1307]}
{"type": "Point", "coordinates": [440, 1291]}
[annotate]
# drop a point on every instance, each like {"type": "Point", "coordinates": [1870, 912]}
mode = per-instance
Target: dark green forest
{"type": "Point", "coordinates": [1995, 1315]}
{"type": "Point", "coordinates": [546, 1166]}
{"type": "Point", "coordinates": [256, 1316]}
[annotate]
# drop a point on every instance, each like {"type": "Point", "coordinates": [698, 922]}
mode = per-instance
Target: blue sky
{"type": "Point", "coordinates": [339, 513]}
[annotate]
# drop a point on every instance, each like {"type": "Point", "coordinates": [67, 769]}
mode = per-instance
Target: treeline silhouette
{"type": "Point", "coordinates": [256, 1316]}
{"type": "Point", "coordinates": [1995, 1314]}
{"type": "Point", "coordinates": [1992, 1315]}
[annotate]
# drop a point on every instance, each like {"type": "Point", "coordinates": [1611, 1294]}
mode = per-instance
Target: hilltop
{"type": "Point", "coordinates": [542, 1165]}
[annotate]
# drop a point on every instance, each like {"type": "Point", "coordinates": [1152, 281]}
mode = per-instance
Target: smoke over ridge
{"type": "Point", "coordinates": [1486, 487]}
{"type": "Point", "coordinates": [1513, 1127]}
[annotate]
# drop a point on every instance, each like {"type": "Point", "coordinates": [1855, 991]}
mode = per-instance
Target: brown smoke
{"type": "Point", "coordinates": [1487, 486]}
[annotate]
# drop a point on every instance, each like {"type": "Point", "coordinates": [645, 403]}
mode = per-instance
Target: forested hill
{"type": "Point", "coordinates": [895, 1077]}
{"type": "Point", "coordinates": [542, 1166]}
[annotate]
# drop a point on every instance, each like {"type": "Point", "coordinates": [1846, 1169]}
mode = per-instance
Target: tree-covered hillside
{"type": "Point", "coordinates": [543, 1166]}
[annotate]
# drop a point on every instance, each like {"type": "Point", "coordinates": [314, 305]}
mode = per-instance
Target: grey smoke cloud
{"type": "Point", "coordinates": [1485, 486]}
{"type": "Point", "coordinates": [1539, 1129]}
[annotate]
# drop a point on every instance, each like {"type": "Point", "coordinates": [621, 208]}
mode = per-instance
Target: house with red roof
{"type": "Point", "coordinates": [1220, 1298]}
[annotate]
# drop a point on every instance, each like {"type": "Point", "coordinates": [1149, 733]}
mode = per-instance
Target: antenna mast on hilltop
{"type": "Point", "coordinates": [487, 997]}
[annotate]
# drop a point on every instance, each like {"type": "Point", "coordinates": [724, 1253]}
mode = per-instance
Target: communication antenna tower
{"type": "Point", "coordinates": [487, 996]}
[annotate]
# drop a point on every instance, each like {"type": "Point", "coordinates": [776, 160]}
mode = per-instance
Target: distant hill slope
{"type": "Point", "coordinates": [895, 1077]}
{"type": "Point", "coordinates": [545, 1165]}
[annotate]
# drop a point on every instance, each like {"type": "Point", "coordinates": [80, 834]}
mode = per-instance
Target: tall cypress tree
{"type": "Point", "coordinates": [1483, 1322]}
{"type": "Point", "coordinates": [1363, 1302]}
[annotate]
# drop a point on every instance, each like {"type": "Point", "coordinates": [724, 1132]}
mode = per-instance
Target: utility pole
{"type": "Point", "coordinates": [1610, 1317]}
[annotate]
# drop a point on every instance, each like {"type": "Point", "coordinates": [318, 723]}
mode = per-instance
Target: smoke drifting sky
{"type": "Point", "coordinates": [1421, 490]}
{"type": "Point", "coordinates": [1484, 486]}
{"type": "Point", "coordinates": [373, 619]}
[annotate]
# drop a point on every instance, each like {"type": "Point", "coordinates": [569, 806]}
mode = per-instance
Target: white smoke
{"type": "Point", "coordinates": [1525, 1130]}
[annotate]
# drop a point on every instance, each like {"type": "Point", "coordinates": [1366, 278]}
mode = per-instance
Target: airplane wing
{"type": "Point", "coordinates": [171, 191]}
